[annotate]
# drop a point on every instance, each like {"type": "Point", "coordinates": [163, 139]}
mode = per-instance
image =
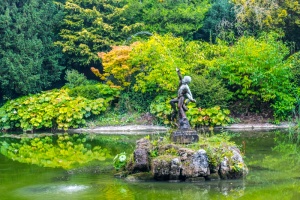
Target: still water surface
{"type": "Point", "coordinates": [274, 173]}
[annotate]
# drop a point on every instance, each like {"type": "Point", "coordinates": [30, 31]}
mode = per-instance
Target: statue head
{"type": "Point", "coordinates": [186, 80]}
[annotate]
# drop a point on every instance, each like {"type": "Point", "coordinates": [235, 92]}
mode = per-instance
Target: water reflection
{"type": "Point", "coordinates": [52, 189]}
{"type": "Point", "coordinates": [65, 151]}
{"type": "Point", "coordinates": [274, 165]}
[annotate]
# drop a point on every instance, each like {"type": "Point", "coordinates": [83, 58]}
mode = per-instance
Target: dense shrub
{"type": "Point", "coordinates": [209, 92]}
{"type": "Point", "coordinates": [116, 66]}
{"type": "Point", "coordinates": [51, 109]}
{"type": "Point", "coordinates": [74, 79]}
{"type": "Point", "coordinates": [256, 72]}
{"type": "Point", "coordinates": [131, 101]}
{"type": "Point", "coordinates": [211, 117]}
{"type": "Point", "coordinates": [161, 108]}
{"type": "Point", "coordinates": [94, 91]}
{"type": "Point", "coordinates": [29, 61]}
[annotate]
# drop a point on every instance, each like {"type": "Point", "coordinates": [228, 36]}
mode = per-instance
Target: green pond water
{"type": "Point", "coordinates": [273, 162]}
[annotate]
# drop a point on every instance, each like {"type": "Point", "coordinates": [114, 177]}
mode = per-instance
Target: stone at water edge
{"type": "Point", "coordinates": [195, 165]}
{"type": "Point", "coordinates": [175, 169]}
{"type": "Point", "coordinates": [141, 158]}
{"type": "Point", "coordinates": [227, 172]}
{"type": "Point", "coordinates": [175, 163]}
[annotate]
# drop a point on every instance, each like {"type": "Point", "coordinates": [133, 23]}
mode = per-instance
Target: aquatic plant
{"type": "Point", "coordinates": [120, 161]}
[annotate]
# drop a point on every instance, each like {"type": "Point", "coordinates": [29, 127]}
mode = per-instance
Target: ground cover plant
{"type": "Point", "coordinates": [51, 109]}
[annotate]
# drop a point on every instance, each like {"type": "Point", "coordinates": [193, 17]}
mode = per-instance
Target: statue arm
{"type": "Point", "coordinates": [189, 95]}
{"type": "Point", "coordinates": [179, 74]}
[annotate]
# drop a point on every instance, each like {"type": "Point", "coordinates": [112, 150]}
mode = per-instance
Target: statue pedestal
{"type": "Point", "coordinates": [183, 136]}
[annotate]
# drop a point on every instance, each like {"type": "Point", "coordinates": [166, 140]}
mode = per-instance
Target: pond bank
{"type": "Point", "coordinates": [150, 129]}
{"type": "Point", "coordinates": [126, 129]}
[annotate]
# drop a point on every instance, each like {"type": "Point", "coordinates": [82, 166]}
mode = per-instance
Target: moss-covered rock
{"type": "Point", "coordinates": [215, 160]}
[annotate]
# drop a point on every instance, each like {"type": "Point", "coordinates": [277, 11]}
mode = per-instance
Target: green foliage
{"type": "Point", "coordinates": [294, 61]}
{"type": "Point", "coordinates": [209, 92]}
{"type": "Point", "coordinates": [256, 71]}
{"type": "Point", "coordinates": [211, 117]}
{"type": "Point", "coordinates": [90, 27]}
{"type": "Point", "coordinates": [182, 19]}
{"type": "Point", "coordinates": [115, 63]}
{"type": "Point", "coordinates": [74, 78]}
{"type": "Point", "coordinates": [51, 109]}
{"type": "Point", "coordinates": [158, 58]}
{"type": "Point", "coordinates": [111, 118]}
{"type": "Point", "coordinates": [120, 161]}
{"type": "Point", "coordinates": [29, 61]}
{"type": "Point", "coordinates": [149, 66]}
{"type": "Point", "coordinates": [66, 152]}
{"type": "Point", "coordinates": [219, 21]}
{"type": "Point", "coordinates": [161, 108]}
{"type": "Point", "coordinates": [131, 101]}
{"type": "Point", "coordinates": [278, 16]}
{"type": "Point", "coordinates": [95, 91]}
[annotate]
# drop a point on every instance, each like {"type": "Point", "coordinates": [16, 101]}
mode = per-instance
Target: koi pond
{"type": "Point", "coordinates": [80, 167]}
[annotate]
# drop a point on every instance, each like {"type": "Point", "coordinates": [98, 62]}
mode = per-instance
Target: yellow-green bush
{"type": "Point", "coordinates": [50, 109]}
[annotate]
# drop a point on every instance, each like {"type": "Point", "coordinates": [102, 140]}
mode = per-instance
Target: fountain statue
{"type": "Point", "coordinates": [184, 133]}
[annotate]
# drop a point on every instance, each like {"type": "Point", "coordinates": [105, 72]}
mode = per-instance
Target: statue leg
{"type": "Point", "coordinates": [184, 106]}
{"type": "Point", "coordinates": [180, 107]}
{"type": "Point", "coordinates": [174, 113]}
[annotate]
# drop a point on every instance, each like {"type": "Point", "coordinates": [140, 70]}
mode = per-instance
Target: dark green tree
{"type": "Point", "coordinates": [90, 27]}
{"type": "Point", "coordinates": [29, 62]}
{"type": "Point", "coordinates": [219, 21]}
{"type": "Point", "coordinates": [181, 18]}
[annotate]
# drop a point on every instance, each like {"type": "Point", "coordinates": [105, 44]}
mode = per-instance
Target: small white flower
{"type": "Point", "coordinates": [122, 158]}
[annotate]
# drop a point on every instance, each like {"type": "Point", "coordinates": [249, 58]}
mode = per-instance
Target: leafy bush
{"type": "Point", "coordinates": [161, 108]}
{"type": "Point", "coordinates": [255, 70]}
{"type": "Point", "coordinates": [209, 92]}
{"type": "Point", "coordinates": [51, 109]}
{"type": "Point", "coordinates": [94, 91]}
{"type": "Point", "coordinates": [158, 58]}
{"type": "Point", "coordinates": [66, 152]}
{"type": "Point", "coordinates": [294, 60]}
{"type": "Point", "coordinates": [118, 71]}
{"type": "Point", "coordinates": [214, 116]}
{"type": "Point", "coordinates": [74, 78]}
{"type": "Point", "coordinates": [131, 101]}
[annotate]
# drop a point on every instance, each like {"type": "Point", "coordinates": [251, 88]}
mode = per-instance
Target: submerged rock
{"type": "Point", "coordinates": [141, 176]}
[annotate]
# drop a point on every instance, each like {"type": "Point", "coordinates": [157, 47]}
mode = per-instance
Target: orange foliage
{"type": "Point", "coordinates": [96, 72]}
{"type": "Point", "coordinates": [116, 66]}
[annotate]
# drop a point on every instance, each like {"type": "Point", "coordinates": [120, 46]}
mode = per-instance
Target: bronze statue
{"type": "Point", "coordinates": [183, 93]}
